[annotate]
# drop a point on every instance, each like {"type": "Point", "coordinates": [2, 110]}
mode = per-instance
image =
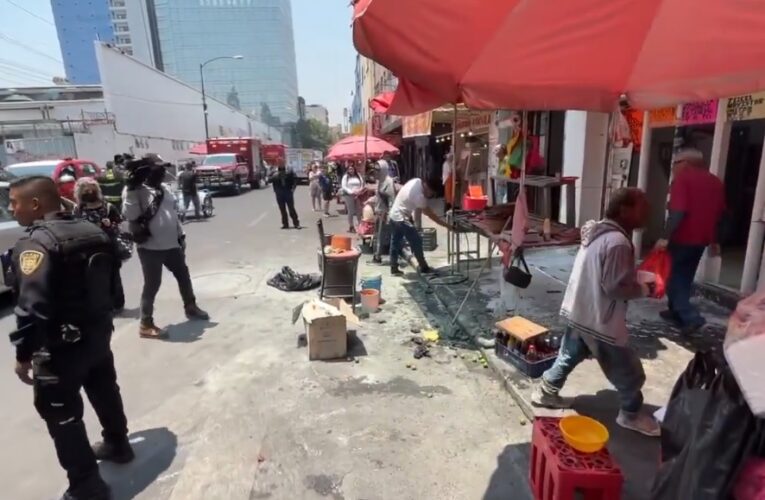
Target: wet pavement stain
{"type": "Point", "coordinates": [398, 386]}
{"type": "Point", "coordinates": [325, 485]}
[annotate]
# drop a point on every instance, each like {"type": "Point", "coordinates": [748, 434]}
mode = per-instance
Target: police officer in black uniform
{"type": "Point", "coordinates": [62, 271]}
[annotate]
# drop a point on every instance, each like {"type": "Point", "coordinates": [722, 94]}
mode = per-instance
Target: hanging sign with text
{"type": "Point", "coordinates": [663, 117]}
{"type": "Point", "coordinates": [746, 107]}
{"type": "Point", "coordinates": [417, 125]}
{"type": "Point", "coordinates": [695, 113]}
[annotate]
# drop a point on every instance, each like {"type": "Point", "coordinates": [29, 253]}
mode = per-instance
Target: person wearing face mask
{"type": "Point", "coordinates": [91, 206]}
{"type": "Point", "coordinates": [149, 207]}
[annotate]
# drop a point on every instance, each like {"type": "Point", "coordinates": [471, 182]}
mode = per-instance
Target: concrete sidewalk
{"type": "Point", "coordinates": [663, 351]}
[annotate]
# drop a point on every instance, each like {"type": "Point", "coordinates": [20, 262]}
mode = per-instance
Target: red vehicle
{"type": "Point", "coordinates": [274, 154]}
{"type": "Point", "coordinates": [230, 163]}
{"type": "Point", "coordinates": [65, 172]}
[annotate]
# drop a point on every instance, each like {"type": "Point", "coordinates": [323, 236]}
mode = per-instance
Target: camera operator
{"type": "Point", "coordinates": [149, 207]}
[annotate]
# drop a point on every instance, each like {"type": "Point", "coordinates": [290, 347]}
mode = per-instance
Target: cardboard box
{"type": "Point", "coordinates": [326, 326]}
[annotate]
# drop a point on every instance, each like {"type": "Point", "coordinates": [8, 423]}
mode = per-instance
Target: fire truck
{"type": "Point", "coordinates": [231, 163]}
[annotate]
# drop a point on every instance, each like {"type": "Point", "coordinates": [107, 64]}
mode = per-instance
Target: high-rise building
{"type": "Point", "coordinates": [80, 23]}
{"type": "Point", "coordinates": [317, 112]}
{"type": "Point", "coordinates": [192, 32]}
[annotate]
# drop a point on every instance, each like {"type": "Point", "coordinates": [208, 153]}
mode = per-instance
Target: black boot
{"type": "Point", "coordinates": [395, 271]}
{"type": "Point", "coordinates": [119, 452]}
{"type": "Point", "coordinates": [194, 312]}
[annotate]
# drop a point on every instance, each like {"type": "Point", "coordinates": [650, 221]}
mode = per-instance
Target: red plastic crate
{"type": "Point", "coordinates": [558, 472]}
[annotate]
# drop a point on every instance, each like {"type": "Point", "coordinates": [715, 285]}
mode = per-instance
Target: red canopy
{"type": "Point", "coordinates": [563, 54]}
{"type": "Point", "coordinates": [199, 149]}
{"type": "Point", "coordinates": [352, 148]}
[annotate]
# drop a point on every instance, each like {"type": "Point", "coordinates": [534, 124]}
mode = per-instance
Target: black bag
{"type": "Point", "coordinates": [686, 403]}
{"type": "Point", "coordinates": [288, 280]}
{"type": "Point", "coordinates": [719, 439]}
{"type": "Point", "coordinates": [123, 245]}
{"type": "Point", "coordinates": [514, 274]}
{"type": "Point", "coordinates": [139, 228]}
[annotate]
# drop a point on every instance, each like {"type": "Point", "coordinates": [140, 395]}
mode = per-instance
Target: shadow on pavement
{"type": "Point", "coordinates": [637, 455]}
{"type": "Point", "coordinates": [133, 313]}
{"type": "Point", "coordinates": [509, 480]}
{"type": "Point", "coordinates": [155, 450]}
{"type": "Point", "coordinates": [188, 331]}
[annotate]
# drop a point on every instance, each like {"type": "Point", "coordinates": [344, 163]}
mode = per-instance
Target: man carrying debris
{"type": "Point", "coordinates": [602, 280]}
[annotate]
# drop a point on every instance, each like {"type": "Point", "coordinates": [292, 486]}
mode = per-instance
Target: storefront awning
{"type": "Point", "coordinates": [563, 54]}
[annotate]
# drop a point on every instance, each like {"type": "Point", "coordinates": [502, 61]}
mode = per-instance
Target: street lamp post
{"type": "Point", "coordinates": [202, 80]}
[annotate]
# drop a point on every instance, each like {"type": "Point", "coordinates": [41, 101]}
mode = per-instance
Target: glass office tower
{"type": "Point", "coordinates": [190, 32]}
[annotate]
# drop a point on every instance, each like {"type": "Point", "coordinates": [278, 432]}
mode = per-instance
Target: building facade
{"type": "Point", "coordinates": [124, 23]}
{"type": "Point", "coordinates": [317, 112]}
{"type": "Point", "coordinates": [78, 24]}
{"type": "Point", "coordinates": [191, 32]}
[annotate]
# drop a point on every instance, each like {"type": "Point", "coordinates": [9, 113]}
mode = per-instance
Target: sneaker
{"type": "Point", "coordinates": [544, 399]}
{"type": "Point", "coordinates": [641, 422]}
{"type": "Point", "coordinates": [298, 226]}
{"type": "Point", "coordinates": [376, 260]}
{"type": "Point", "coordinates": [352, 230]}
{"type": "Point", "coordinates": [148, 330]}
{"type": "Point", "coordinates": [395, 271]}
{"type": "Point", "coordinates": [194, 312]}
{"type": "Point", "coordinates": [119, 453]}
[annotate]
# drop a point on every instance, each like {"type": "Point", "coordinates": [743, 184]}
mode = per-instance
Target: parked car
{"type": "Point", "coordinates": [10, 231]}
{"type": "Point", "coordinates": [65, 172]}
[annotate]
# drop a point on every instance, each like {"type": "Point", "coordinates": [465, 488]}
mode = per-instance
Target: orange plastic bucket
{"type": "Point", "coordinates": [341, 242]}
{"type": "Point", "coordinates": [370, 299]}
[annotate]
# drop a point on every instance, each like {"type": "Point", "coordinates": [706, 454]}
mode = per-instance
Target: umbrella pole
{"type": "Point", "coordinates": [453, 235]}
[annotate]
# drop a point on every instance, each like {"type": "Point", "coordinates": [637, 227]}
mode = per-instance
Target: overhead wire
{"type": "Point", "coordinates": [25, 75]}
{"type": "Point", "coordinates": [36, 16]}
{"type": "Point", "coordinates": [28, 48]}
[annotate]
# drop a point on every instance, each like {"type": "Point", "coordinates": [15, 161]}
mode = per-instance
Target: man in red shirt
{"type": "Point", "coordinates": [696, 206]}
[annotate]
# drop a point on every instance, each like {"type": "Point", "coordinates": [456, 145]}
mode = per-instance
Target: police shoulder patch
{"type": "Point", "coordinates": [30, 260]}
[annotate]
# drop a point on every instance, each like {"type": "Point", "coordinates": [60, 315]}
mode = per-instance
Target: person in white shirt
{"type": "Point", "coordinates": [351, 186]}
{"type": "Point", "coordinates": [413, 196]}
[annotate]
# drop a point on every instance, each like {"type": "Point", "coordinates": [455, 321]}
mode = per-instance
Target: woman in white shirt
{"type": "Point", "coordinates": [351, 186]}
{"type": "Point", "coordinates": [314, 188]}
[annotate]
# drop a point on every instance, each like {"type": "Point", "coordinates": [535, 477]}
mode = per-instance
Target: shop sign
{"type": "Point", "coordinates": [477, 122]}
{"type": "Point", "coordinates": [663, 117]}
{"type": "Point", "coordinates": [746, 107]}
{"type": "Point", "coordinates": [417, 125]}
{"type": "Point", "coordinates": [694, 113]}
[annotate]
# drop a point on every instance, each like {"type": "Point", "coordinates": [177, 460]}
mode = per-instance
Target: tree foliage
{"type": "Point", "coordinates": [312, 134]}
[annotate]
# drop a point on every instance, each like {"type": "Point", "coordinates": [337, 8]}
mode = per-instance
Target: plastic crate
{"type": "Point", "coordinates": [532, 369]}
{"type": "Point", "coordinates": [429, 238]}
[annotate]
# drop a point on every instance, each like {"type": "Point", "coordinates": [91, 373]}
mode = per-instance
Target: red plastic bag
{"type": "Point", "coordinates": [659, 263]}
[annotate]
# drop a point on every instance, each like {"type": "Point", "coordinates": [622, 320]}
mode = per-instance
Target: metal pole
{"type": "Point", "coordinates": [644, 165]}
{"type": "Point", "coordinates": [204, 99]}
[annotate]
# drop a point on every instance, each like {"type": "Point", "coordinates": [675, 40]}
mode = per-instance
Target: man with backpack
{"type": "Point", "coordinates": [149, 207]}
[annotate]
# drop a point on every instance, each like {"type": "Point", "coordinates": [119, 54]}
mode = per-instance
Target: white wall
{"type": "Point", "coordinates": [49, 110]}
{"type": "Point", "coordinates": [149, 103]}
{"type": "Point", "coordinates": [140, 33]}
{"type": "Point", "coordinates": [584, 156]}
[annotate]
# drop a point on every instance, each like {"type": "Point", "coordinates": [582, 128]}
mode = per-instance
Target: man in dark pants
{"type": "Point", "coordinates": [696, 207]}
{"type": "Point", "coordinates": [284, 183]}
{"type": "Point", "coordinates": [145, 198]}
{"type": "Point", "coordinates": [62, 272]}
{"type": "Point", "coordinates": [187, 181]}
{"type": "Point", "coordinates": [413, 196]}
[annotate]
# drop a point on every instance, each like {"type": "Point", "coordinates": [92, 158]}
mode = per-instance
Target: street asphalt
{"type": "Point", "coordinates": [232, 409]}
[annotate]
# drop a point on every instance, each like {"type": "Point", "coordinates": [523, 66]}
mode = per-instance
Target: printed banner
{"type": "Point", "coordinates": [478, 122]}
{"type": "Point", "coordinates": [663, 117]}
{"type": "Point", "coordinates": [694, 113]}
{"type": "Point", "coordinates": [635, 119]}
{"type": "Point", "coordinates": [746, 107]}
{"type": "Point", "coordinates": [417, 125]}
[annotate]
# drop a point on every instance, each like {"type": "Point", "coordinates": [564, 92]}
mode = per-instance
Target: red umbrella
{"type": "Point", "coordinates": [199, 149]}
{"type": "Point", "coordinates": [563, 54]}
{"type": "Point", "coordinates": [352, 148]}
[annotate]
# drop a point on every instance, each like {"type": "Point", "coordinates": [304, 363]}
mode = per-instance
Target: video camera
{"type": "Point", "coordinates": [138, 171]}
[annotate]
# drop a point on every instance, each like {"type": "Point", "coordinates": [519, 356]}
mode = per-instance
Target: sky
{"type": "Point", "coordinates": [30, 54]}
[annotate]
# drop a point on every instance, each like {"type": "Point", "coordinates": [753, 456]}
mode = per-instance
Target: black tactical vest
{"type": "Point", "coordinates": [82, 270]}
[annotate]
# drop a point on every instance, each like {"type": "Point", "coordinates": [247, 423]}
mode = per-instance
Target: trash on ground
{"type": "Point", "coordinates": [431, 335]}
{"type": "Point", "coordinates": [326, 327]}
{"type": "Point", "coordinates": [288, 280]}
